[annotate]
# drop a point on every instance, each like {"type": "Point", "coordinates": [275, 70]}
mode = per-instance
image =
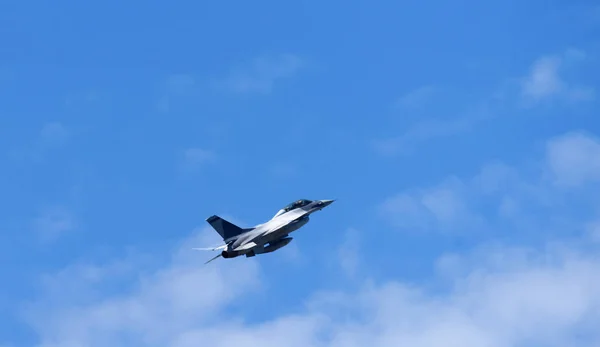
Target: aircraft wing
{"type": "Point", "coordinates": [210, 248]}
{"type": "Point", "coordinates": [270, 227]}
{"type": "Point", "coordinates": [245, 246]}
{"type": "Point", "coordinates": [278, 223]}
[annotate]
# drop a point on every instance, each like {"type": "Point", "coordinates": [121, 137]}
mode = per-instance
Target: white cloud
{"type": "Point", "coordinates": [593, 230]}
{"type": "Point", "coordinates": [449, 266]}
{"type": "Point", "coordinates": [495, 177]}
{"type": "Point", "coordinates": [423, 131]}
{"type": "Point", "coordinates": [262, 75]}
{"type": "Point", "coordinates": [444, 203]}
{"type": "Point", "coordinates": [501, 193]}
{"type": "Point", "coordinates": [444, 207]}
{"type": "Point", "coordinates": [574, 159]}
{"type": "Point", "coordinates": [495, 295]}
{"type": "Point", "coordinates": [549, 297]}
{"type": "Point", "coordinates": [348, 253]}
{"type": "Point", "coordinates": [405, 210]}
{"type": "Point", "coordinates": [545, 81]}
{"type": "Point", "coordinates": [160, 305]}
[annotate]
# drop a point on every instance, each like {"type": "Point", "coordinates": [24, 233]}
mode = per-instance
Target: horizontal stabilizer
{"type": "Point", "coordinates": [218, 255]}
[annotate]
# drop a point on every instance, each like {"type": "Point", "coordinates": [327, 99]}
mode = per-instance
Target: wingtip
{"type": "Point", "coordinates": [212, 259]}
{"type": "Point", "coordinates": [214, 248]}
{"type": "Point", "coordinates": [203, 249]}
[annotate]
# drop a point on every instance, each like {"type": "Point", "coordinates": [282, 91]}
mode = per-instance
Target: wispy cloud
{"type": "Point", "coordinates": [349, 253]}
{"type": "Point", "coordinates": [570, 163]}
{"type": "Point", "coordinates": [593, 230]}
{"type": "Point", "coordinates": [545, 82]}
{"type": "Point", "coordinates": [444, 207]}
{"type": "Point", "coordinates": [53, 222]}
{"type": "Point", "coordinates": [497, 296]}
{"type": "Point", "coordinates": [574, 159]}
{"type": "Point", "coordinates": [52, 135]}
{"type": "Point", "coordinates": [262, 75]}
{"type": "Point", "coordinates": [408, 142]}
{"type": "Point", "coordinates": [415, 97]}
{"type": "Point", "coordinates": [168, 294]}
{"type": "Point", "coordinates": [494, 295]}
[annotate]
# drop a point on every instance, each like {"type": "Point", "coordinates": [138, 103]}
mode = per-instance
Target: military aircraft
{"type": "Point", "coordinates": [252, 241]}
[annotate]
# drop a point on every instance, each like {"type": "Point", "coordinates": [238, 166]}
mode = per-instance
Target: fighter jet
{"type": "Point", "coordinates": [266, 237]}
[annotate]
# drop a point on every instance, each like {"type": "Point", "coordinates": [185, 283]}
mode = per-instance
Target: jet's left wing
{"type": "Point", "coordinates": [246, 246]}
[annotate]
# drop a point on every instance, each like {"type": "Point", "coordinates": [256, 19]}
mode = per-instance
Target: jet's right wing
{"type": "Point", "coordinates": [246, 246]}
{"type": "Point", "coordinates": [277, 223]}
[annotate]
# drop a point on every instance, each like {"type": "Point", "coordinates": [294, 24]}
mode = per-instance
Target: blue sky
{"type": "Point", "coordinates": [460, 141]}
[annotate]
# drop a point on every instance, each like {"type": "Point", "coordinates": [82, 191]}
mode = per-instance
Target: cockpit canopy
{"type": "Point", "coordinates": [297, 204]}
{"type": "Point", "coordinates": [294, 205]}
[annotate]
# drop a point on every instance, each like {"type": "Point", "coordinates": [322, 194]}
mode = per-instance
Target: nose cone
{"type": "Point", "coordinates": [326, 202]}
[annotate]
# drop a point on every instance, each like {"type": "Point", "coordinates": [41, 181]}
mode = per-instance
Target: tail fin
{"type": "Point", "coordinates": [224, 228]}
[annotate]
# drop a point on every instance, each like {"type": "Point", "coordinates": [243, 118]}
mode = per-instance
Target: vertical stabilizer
{"type": "Point", "coordinates": [226, 229]}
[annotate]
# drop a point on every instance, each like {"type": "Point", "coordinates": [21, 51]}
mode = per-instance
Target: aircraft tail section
{"type": "Point", "coordinates": [224, 228]}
